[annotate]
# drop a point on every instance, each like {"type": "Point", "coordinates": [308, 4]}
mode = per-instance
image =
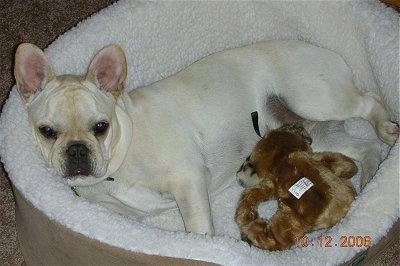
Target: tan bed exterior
{"type": "Point", "coordinates": [45, 242]}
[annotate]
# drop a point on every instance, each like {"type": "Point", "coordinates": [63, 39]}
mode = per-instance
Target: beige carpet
{"type": "Point", "coordinates": [40, 22]}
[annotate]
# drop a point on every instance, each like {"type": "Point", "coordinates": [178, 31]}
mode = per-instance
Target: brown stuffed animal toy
{"type": "Point", "coordinates": [312, 189]}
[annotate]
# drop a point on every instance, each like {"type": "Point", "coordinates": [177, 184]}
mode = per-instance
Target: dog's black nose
{"type": "Point", "coordinates": [78, 152]}
{"type": "Point", "coordinates": [78, 160]}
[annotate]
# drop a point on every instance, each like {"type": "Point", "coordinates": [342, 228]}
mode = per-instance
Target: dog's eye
{"type": "Point", "coordinates": [100, 128]}
{"type": "Point", "coordinates": [48, 132]}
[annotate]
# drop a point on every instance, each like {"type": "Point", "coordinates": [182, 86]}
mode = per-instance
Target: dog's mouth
{"type": "Point", "coordinates": [80, 169]}
{"type": "Point", "coordinates": [81, 174]}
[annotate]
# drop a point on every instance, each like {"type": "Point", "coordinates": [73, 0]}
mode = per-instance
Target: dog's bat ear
{"type": "Point", "coordinates": [32, 70]}
{"type": "Point", "coordinates": [108, 70]}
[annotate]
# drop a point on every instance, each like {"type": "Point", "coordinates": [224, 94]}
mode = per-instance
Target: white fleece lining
{"type": "Point", "coordinates": [159, 39]}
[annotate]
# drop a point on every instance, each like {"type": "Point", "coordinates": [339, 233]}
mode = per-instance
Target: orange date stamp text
{"type": "Point", "coordinates": [329, 242]}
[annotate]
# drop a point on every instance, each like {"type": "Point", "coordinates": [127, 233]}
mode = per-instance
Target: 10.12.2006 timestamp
{"type": "Point", "coordinates": [329, 242]}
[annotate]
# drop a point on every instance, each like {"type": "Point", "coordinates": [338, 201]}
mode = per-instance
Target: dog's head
{"type": "Point", "coordinates": [75, 119]}
{"type": "Point", "coordinates": [269, 152]}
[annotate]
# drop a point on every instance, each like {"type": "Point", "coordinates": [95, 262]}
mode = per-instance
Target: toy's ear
{"type": "Point", "coordinates": [108, 70]}
{"type": "Point", "coordinates": [341, 165]}
{"type": "Point", "coordinates": [32, 70]}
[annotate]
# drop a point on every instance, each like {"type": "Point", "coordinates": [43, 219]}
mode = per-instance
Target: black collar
{"type": "Point", "coordinates": [254, 118]}
{"type": "Point", "coordinates": [76, 192]}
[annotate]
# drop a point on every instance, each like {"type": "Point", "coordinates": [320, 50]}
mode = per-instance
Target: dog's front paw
{"type": "Point", "coordinates": [388, 132]}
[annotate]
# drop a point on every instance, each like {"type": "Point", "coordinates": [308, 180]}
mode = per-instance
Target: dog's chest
{"type": "Point", "coordinates": [130, 199]}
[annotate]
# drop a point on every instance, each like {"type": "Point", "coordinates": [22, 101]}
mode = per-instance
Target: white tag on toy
{"type": "Point", "coordinates": [300, 187]}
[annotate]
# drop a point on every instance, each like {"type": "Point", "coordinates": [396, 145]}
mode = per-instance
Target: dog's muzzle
{"type": "Point", "coordinates": [78, 162]}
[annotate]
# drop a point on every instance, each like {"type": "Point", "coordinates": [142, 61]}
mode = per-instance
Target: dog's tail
{"type": "Point", "coordinates": [278, 233]}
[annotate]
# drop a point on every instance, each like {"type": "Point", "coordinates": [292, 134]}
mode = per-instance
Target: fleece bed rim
{"type": "Point", "coordinates": [139, 7]}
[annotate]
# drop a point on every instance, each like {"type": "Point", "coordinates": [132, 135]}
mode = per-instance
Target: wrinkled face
{"type": "Point", "coordinates": [73, 126]}
{"type": "Point", "coordinates": [270, 151]}
{"type": "Point", "coordinates": [76, 120]}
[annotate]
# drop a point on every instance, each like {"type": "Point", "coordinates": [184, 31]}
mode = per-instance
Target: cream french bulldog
{"type": "Point", "coordinates": [177, 141]}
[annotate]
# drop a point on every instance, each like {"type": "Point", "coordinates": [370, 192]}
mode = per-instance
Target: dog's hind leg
{"type": "Point", "coordinates": [324, 100]}
{"type": "Point", "coordinates": [374, 111]}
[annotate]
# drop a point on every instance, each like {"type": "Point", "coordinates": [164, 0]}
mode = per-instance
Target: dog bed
{"type": "Point", "coordinates": [160, 38]}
